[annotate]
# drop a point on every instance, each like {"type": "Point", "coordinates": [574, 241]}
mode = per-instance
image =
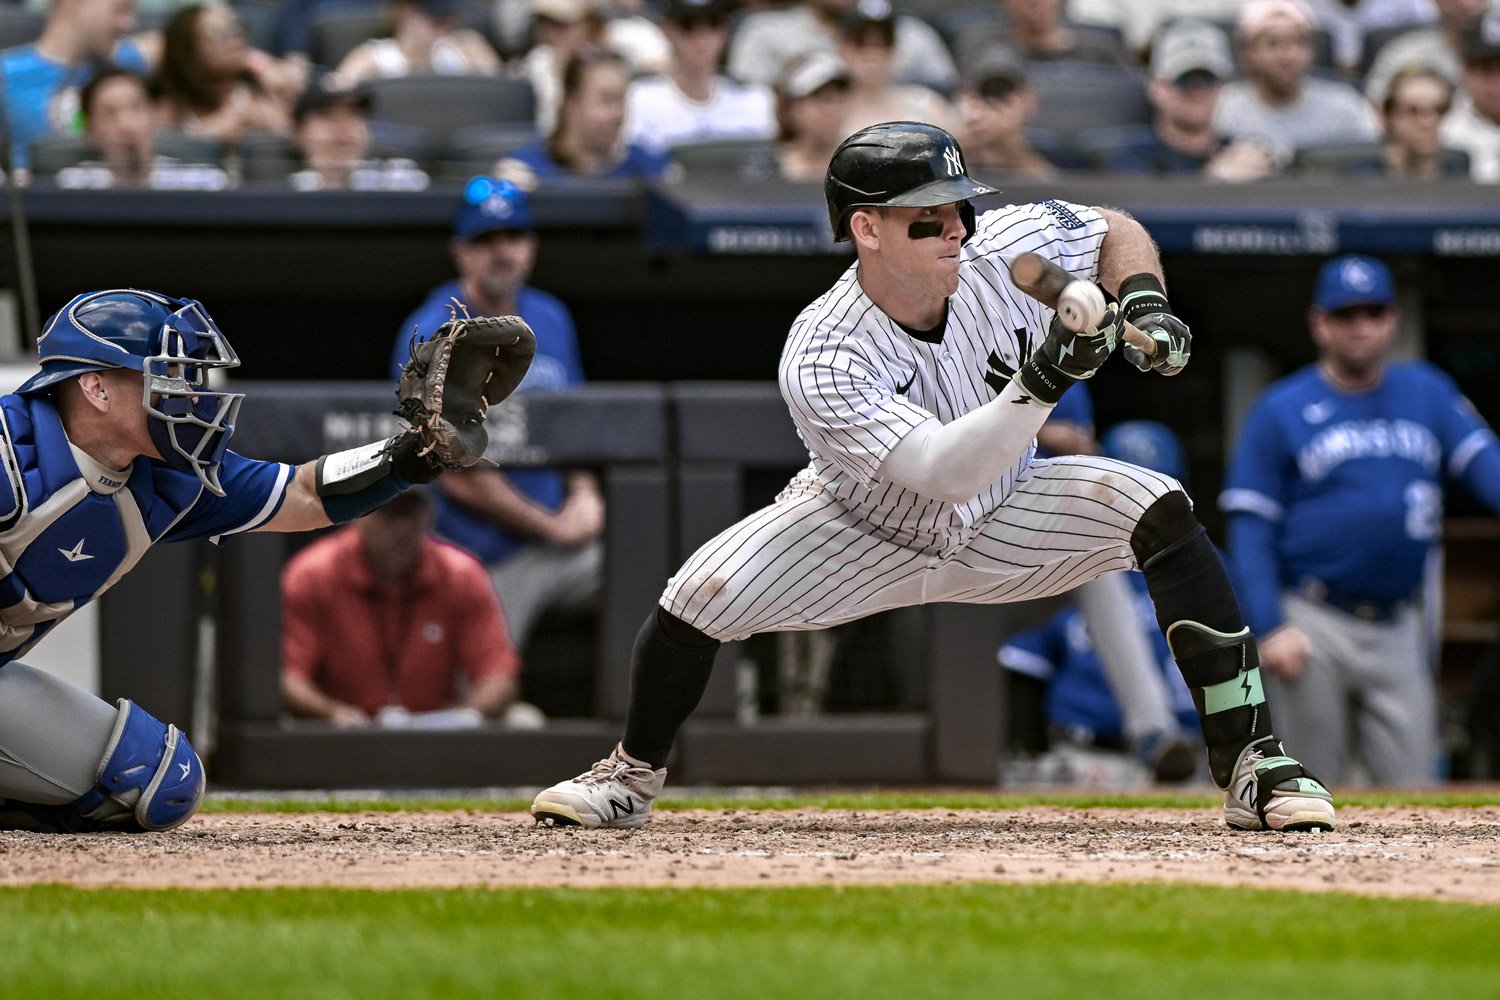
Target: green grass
{"type": "Point", "coordinates": [992, 941]}
{"type": "Point", "coordinates": [1200, 799]}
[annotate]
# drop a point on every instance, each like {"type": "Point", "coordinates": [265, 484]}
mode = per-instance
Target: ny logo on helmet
{"type": "Point", "coordinates": [953, 161]}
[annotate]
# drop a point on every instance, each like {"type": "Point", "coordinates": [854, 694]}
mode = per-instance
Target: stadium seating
{"type": "Point", "coordinates": [444, 104]}
{"type": "Point", "coordinates": [336, 32]}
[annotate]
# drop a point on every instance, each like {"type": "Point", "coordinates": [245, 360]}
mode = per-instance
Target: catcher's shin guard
{"type": "Point", "coordinates": [1222, 671]}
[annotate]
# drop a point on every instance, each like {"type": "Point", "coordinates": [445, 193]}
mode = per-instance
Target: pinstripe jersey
{"type": "Point", "coordinates": [839, 543]}
{"type": "Point", "coordinates": [857, 382]}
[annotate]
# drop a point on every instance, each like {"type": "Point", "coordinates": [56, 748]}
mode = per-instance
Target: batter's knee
{"type": "Point", "coordinates": [1166, 522]}
{"type": "Point", "coordinates": [150, 778]}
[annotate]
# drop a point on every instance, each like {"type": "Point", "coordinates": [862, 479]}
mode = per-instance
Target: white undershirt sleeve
{"type": "Point", "coordinates": [953, 462]}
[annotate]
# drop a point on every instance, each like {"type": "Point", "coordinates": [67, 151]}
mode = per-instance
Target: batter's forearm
{"type": "Point", "coordinates": [1127, 250]}
{"type": "Point", "coordinates": [953, 462]}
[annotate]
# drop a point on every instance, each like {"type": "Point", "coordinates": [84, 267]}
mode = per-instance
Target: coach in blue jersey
{"type": "Point", "coordinates": [537, 529]}
{"type": "Point", "coordinates": [117, 443]}
{"type": "Point", "coordinates": [1335, 500]}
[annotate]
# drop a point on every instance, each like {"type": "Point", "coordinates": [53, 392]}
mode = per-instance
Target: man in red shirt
{"type": "Point", "coordinates": [379, 618]}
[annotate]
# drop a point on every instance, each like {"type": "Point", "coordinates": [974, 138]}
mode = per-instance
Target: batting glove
{"type": "Point", "coordinates": [1144, 303]}
{"type": "Point", "coordinates": [1066, 357]}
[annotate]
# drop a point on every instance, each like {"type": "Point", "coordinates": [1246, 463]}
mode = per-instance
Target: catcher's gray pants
{"type": "Point", "coordinates": [1366, 684]}
{"type": "Point", "coordinates": [52, 736]}
{"type": "Point", "coordinates": [540, 577]}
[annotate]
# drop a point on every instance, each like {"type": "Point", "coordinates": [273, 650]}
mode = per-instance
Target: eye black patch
{"type": "Point", "coordinates": [924, 230]}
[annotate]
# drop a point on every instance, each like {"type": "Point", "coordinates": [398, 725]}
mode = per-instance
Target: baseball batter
{"type": "Point", "coordinates": [1335, 501]}
{"type": "Point", "coordinates": [918, 383]}
{"type": "Point", "coordinates": [120, 442]}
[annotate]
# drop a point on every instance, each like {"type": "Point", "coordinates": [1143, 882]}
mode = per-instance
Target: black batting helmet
{"type": "Point", "coordinates": [909, 164]}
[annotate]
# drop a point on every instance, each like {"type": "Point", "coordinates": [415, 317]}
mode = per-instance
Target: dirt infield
{"type": "Point", "coordinates": [1449, 854]}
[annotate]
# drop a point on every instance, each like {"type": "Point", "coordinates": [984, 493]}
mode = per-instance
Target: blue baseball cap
{"type": "Point", "coordinates": [491, 204]}
{"type": "Point", "coordinates": [1147, 443]}
{"type": "Point", "coordinates": [1353, 280]}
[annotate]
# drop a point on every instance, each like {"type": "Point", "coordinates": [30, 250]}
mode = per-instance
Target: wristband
{"type": "Point", "coordinates": [352, 483]}
{"type": "Point", "coordinates": [1141, 294]}
{"type": "Point", "coordinates": [1042, 381]}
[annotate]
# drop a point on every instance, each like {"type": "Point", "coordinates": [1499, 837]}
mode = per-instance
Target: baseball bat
{"type": "Point", "coordinates": [1044, 281]}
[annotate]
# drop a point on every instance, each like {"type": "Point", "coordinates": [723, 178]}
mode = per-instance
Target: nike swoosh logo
{"type": "Point", "coordinates": [76, 553]}
{"type": "Point", "coordinates": [901, 390]}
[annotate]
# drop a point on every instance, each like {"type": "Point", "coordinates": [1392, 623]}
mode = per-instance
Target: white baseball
{"type": "Point", "coordinates": [1081, 305]}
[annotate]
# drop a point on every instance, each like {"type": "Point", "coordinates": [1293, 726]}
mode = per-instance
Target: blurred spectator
{"type": "Point", "coordinates": [1434, 48]}
{"type": "Point", "coordinates": [1474, 123]}
{"type": "Point", "coordinates": [587, 141]}
{"type": "Point", "coordinates": [209, 83]}
{"type": "Point", "coordinates": [767, 39]}
{"type": "Point", "coordinates": [120, 127]}
{"type": "Point", "coordinates": [42, 79]}
{"type": "Point", "coordinates": [1065, 697]}
{"type": "Point", "coordinates": [1279, 104]}
{"type": "Point", "coordinates": [1190, 64]}
{"type": "Point", "coordinates": [426, 37]}
{"type": "Point", "coordinates": [867, 44]}
{"type": "Point", "coordinates": [812, 103]}
{"type": "Point", "coordinates": [331, 131]}
{"type": "Point", "coordinates": [1348, 21]}
{"type": "Point", "coordinates": [996, 105]}
{"type": "Point", "coordinates": [1335, 503]}
{"type": "Point", "coordinates": [380, 623]}
{"type": "Point", "coordinates": [537, 530]}
{"type": "Point", "coordinates": [1039, 31]}
{"type": "Point", "coordinates": [692, 101]}
{"type": "Point", "coordinates": [1412, 115]}
{"type": "Point", "coordinates": [1139, 20]}
{"type": "Point", "coordinates": [565, 28]}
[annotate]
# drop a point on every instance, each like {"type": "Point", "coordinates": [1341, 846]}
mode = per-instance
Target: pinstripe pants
{"type": "Point", "coordinates": [808, 562]}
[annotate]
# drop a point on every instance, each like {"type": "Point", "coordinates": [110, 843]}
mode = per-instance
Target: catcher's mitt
{"type": "Point", "coordinates": [452, 378]}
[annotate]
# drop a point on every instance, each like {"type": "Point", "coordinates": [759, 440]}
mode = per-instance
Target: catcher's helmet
{"type": "Point", "coordinates": [909, 164]}
{"type": "Point", "coordinates": [175, 344]}
{"type": "Point", "coordinates": [1146, 443]}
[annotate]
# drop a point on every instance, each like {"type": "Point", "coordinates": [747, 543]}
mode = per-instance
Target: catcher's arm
{"type": "Point", "coordinates": [469, 364]}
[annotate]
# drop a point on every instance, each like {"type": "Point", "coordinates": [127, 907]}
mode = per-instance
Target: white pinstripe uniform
{"type": "Point", "coordinates": [839, 543]}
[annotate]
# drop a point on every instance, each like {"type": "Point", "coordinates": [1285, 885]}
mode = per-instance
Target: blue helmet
{"type": "Point", "coordinates": [1148, 444]}
{"type": "Point", "coordinates": [175, 344]}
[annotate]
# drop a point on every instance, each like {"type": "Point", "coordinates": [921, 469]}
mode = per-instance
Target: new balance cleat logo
{"type": "Point", "coordinates": [618, 809]}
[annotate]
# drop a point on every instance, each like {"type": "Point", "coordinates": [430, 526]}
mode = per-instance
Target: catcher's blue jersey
{"type": "Point", "coordinates": [1349, 485]}
{"type": "Point", "coordinates": [69, 527]}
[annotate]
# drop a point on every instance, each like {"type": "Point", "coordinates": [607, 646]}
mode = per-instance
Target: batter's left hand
{"type": "Point", "coordinates": [1174, 343]}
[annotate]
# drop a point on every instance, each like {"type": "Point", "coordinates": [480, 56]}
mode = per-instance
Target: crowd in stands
{"type": "Point", "coordinates": [393, 95]}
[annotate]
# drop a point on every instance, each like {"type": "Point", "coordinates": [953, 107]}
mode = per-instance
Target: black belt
{"type": "Point", "coordinates": [1364, 609]}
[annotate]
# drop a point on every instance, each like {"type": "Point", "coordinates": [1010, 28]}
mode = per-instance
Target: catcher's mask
{"type": "Point", "coordinates": [174, 344]}
{"type": "Point", "coordinates": [910, 164]}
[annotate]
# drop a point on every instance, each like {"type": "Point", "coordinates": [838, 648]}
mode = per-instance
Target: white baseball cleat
{"type": "Point", "coordinates": [1275, 793]}
{"type": "Point", "coordinates": [616, 794]}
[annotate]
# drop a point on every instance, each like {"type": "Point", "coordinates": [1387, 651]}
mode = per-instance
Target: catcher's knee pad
{"type": "Point", "coordinates": [148, 779]}
{"type": "Point", "coordinates": [1166, 522]}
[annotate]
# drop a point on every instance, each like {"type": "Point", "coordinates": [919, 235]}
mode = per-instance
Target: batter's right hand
{"type": "Point", "coordinates": [1284, 652]}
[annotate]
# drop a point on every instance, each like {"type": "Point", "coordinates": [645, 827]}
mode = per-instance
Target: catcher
{"type": "Point", "coordinates": [119, 442]}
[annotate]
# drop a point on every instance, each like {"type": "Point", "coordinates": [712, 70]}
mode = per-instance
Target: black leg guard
{"type": "Point", "coordinates": [1183, 569]}
{"type": "Point", "coordinates": [668, 675]}
{"type": "Point", "coordinates": [1198, 613]}
{"type": "Point", "coordinates": [1222, 671]}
